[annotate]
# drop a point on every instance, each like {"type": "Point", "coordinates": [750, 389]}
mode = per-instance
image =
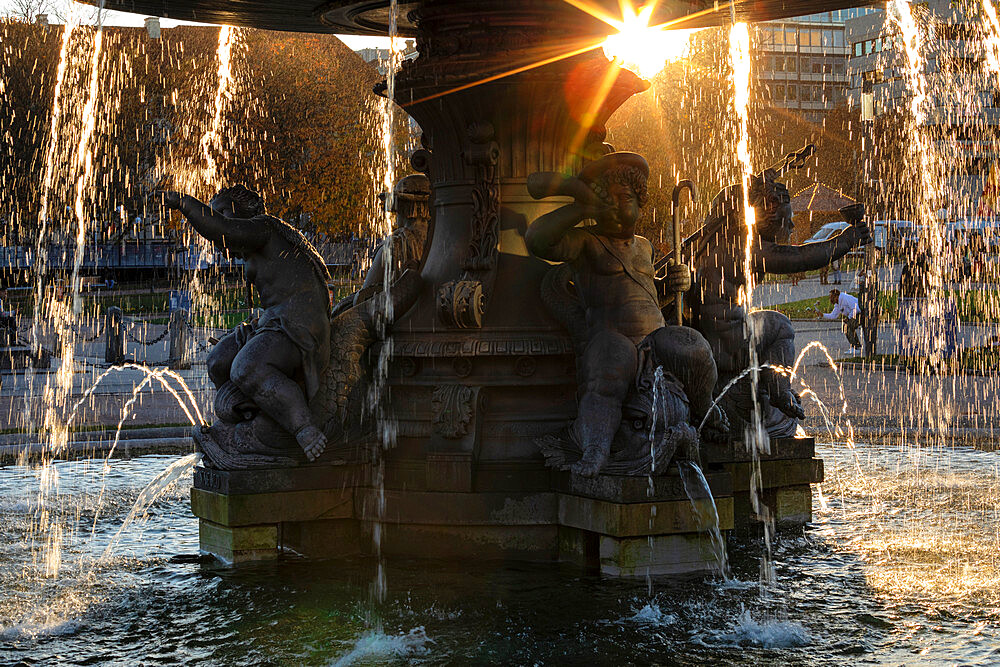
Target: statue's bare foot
{"type": "Point", "coordinates": [716, 427]}
{"type": "Point", "coordinates": [788, 402]}
{"type": "Point", "coordinates": [312, 441]}
{"type": "Point", "coordinates": [591, 463]}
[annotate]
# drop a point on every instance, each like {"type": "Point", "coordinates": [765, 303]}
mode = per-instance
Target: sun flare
{"type": "Point", "coordinates": [643, 48]}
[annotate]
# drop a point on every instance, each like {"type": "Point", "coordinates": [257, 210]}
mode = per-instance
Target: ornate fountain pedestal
{"type": "Point", "coordinates": [443, 507]}
{"type": "Point", "coordinates": [481, 367]}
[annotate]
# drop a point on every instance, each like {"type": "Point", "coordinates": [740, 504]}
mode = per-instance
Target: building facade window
{"type": "Point", "coordinates": [869, 46]}
{"type": "Point", "coordinates": [800, 53]}
{"type": "Point", "coordinates": [873, 76]}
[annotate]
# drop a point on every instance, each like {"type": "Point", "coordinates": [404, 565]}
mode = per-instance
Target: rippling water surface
{"type": "Point", "coordinates": [900, 566]}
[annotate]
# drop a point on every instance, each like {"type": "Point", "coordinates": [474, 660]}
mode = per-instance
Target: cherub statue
{"type": "Point", "coordinates": [719, 256]}
{"type": "Point", "coordinates": [277, 360]}
{"type": "Point", "coordinates": [619, 300]}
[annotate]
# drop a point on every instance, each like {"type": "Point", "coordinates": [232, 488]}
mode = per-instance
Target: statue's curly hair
{"type": "Point", "coordinates": [630, 177]}
{"type": "Point", "coordinates": [246, 202]}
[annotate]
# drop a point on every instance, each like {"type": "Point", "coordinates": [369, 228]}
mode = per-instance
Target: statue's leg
{"type": "Point", "coordinates": [871, 334]}
{"type": "Point", "coordinates": [775, 339]}
{"type": "Point", "coordinates": [687, 355]}
{"type": "Point", "coordinates": [263, 370]}
{"type": "Point", "coordinates": [609, 365]}
{"type": "Point", "coordinates": [851, 331]}
{"type": "Point", "coordinates": [220, 359]}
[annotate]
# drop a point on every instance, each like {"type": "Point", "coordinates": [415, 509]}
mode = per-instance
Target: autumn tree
{"type": "Point", "coordinates": [297, 123]}
{"type": "Point", "coordinates": [685, 127]}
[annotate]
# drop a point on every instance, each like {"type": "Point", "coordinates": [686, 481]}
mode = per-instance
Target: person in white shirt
{"type": "Point", "coordinates": [846, 305]}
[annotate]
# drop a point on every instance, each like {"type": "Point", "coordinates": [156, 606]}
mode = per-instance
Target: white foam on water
{"type": "Point", "coordinates": [375, 647]}
{"type": "Point", "coordinates": [15, 507]}
{"type": "Point", "coordinates": [734, 584]}
{"type": "Point", "coordinates": [768, 633]}
{"type": "Point", "coordinates": [34, 630]}
{"type": "Point", "coordinates": [651, 614]}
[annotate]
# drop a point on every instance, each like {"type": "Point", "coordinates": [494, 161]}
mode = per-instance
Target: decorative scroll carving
{"type": "Point", "coordinates": [451, 405]}
{"type": "Point", "coordinates": [483, 154]}
{"type": "Point", "coordinates": [460, 304]}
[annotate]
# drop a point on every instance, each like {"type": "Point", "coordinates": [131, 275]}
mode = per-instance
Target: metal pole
{"type": "Point", "coordinates": [692, 189]}
{"type": "Point", "coordinates": [179, 359]}
{"type": "Point", "coordinates": [114, 348]}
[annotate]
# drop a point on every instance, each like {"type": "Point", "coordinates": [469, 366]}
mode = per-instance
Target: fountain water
{"type": "Point", "coordinates": [63, 309]}
{"type": "Point", "coordinates": [400, 442]}
{"type": "Point", "coordinates": [379, 393]}
{"type": "Point", "coordinates": [149, 495]}
{"type": "Point", "coordinates": [756, 438]}
{"type": "Point", "coordinates": [698, 492]}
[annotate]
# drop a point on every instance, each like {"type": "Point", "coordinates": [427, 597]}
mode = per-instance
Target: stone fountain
{"type": "Point", "coordinates": [483, 373]}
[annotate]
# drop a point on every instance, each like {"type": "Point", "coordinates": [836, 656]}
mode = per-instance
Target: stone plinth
{"type": "Point", "coordinates": [786, 473]}
{"type": "Point", "coordinates": [449, 506]}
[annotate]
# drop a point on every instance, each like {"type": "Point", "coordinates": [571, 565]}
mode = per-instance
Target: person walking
{"type": "Point", "coordinates": [846, 305]}
{"type": "Point", "coordinates": [836, 272]}
{"type": "Point", "coordinates": [870, 309]}
{"type": "Point", "coordinates": [912, 298]}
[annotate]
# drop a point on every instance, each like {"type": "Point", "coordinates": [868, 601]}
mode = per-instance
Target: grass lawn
{"type": "Point", "coordinates": [134, 302]}
{"type": "Point", "coordinates": [973, 306]}
{"type": "Point", "coordinates": [217, 320]}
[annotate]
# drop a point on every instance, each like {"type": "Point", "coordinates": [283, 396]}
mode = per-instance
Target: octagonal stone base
{"type": "Point", "coordinates": [451, 508]}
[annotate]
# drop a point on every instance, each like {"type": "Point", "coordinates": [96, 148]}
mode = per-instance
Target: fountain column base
{"type": "Point", "coordinates": [450, 506]}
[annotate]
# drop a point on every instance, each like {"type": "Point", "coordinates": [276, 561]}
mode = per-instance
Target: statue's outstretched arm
{"type": "Point", "coordinates": [237, 234]}
{"type": "Point", "coordinates": [774, 258]}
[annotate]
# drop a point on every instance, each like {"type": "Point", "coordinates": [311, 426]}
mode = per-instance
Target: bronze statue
{"type": "Point", "coordinates": [406, 245]}
{"type": "Point", "coordinates": [618, 301]}
{"type": "Point", "coordinates": [277, 360]}
{"type": "Point", "coordinates": [285, 378]}
{"type": "Point", "coordinates": [719, 257]}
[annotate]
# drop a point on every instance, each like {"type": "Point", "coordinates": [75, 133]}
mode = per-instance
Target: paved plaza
{"type": "Point", "coordinates": [879, 399]}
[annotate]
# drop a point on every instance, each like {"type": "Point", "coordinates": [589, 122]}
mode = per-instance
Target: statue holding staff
{"type": "Point", "coordinates": [621, 300]}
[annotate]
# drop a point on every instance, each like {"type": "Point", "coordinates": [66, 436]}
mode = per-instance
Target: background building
{"type": "Point", "coordinates": [380, 57]}
{"type": "Point", "coordinates": [962, 106]}
{"type": "Point", "coordinates": [803, 61]}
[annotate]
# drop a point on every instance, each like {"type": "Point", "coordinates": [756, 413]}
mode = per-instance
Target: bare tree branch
{"type": "Point", "coordinates": [28, 10]}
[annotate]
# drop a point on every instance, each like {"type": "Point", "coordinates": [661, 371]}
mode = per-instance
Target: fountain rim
{"type": "Point", "coordinates": [370, 17]}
